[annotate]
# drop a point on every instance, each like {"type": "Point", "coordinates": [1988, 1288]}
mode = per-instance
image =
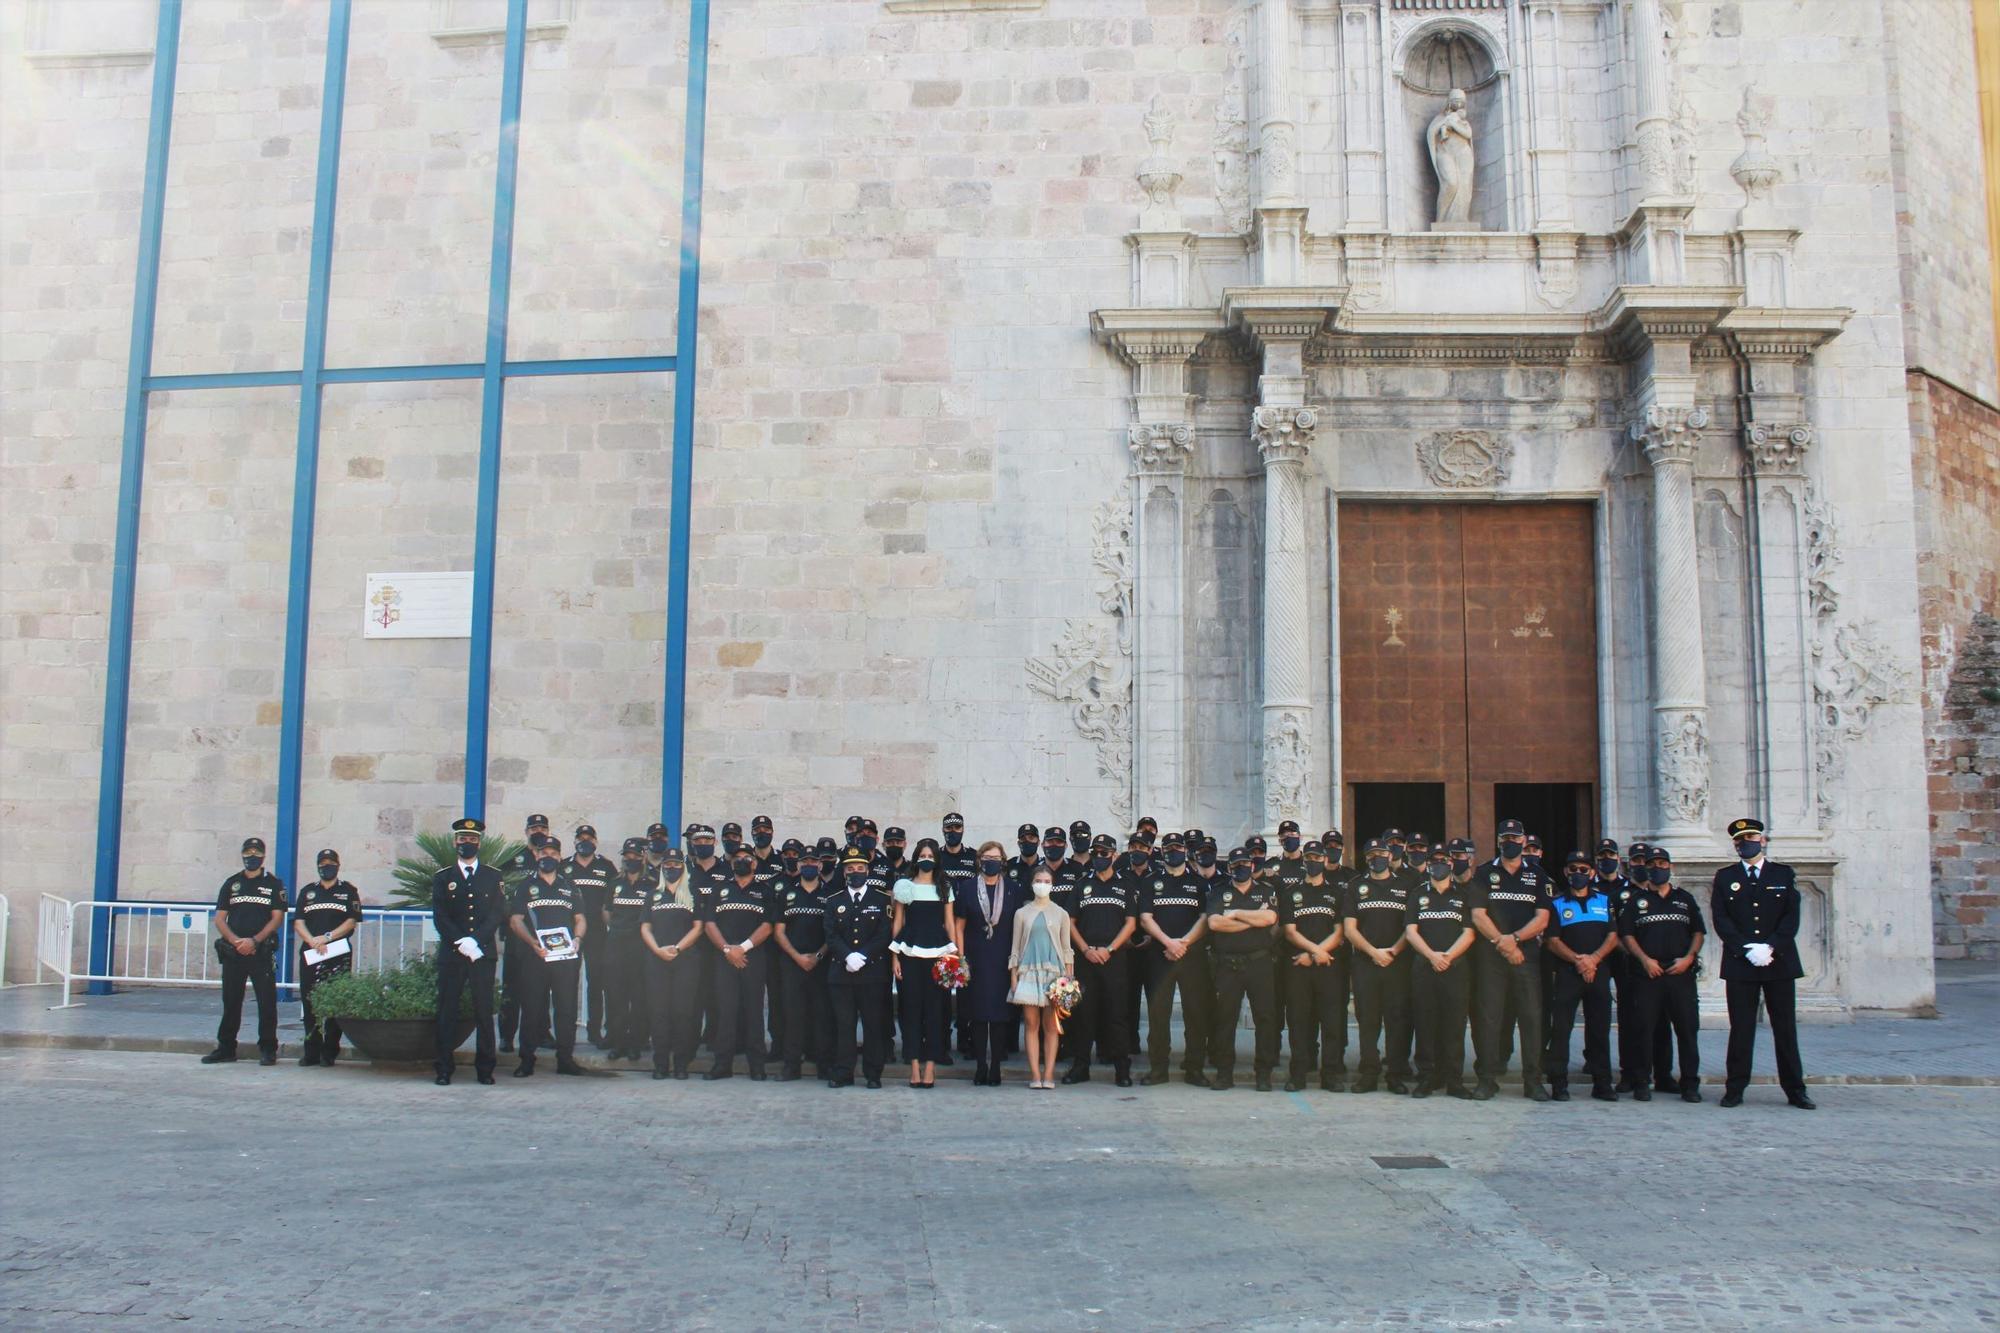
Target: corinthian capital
{"type": "Point", "coordinates": [1670, 434]}
{"type": "Point", "coordinates": [1159, 445]}
{"type": "Point", "coordinates": [1778, 446]}
{"type": "Point", "coordinates": [1283, 434]}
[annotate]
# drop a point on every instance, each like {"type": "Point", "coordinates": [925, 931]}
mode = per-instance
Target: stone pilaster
{"type": "Point", "coordinates": [1652, 128]}
{"type": "Point", "coordinates": [1361, 114]}
{"type": "Point", "coordinates": [1670, 437]}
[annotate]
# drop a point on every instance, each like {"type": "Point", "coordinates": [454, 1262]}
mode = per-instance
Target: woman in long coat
{"type": "Point", "coordinates": [984, 920]}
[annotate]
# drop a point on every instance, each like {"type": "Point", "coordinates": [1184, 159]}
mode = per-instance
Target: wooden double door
{"type": "Point", "coordinates": [1468, 670]}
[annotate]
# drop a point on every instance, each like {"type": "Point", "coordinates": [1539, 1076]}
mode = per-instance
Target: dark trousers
{"type": "Point", "coordinates": [1779, 995]}
{"type": "Point", "coordinates": [596, 980]}
{"type": "Point", "coordinates": [989, 1042]}
{"type": "Point", "coordinates": [322, 1036]}
{"type": "Point", "coordinates": [673, 995]}
{"type": "Point", "coordinates": [1626, 977]}
{"type": "Point", "coordinates": [1382, 1015]}
{"type": "Point", "coordinates": [1437, 1004]}
{"type": "Point", "coordinates": [1501, 983]}
{"type": "Point", "coordinates": [1136, 959]}
{"type": "Point", "coordinates": [1238, 975]}
{"type": "Point", "coordinates": [808, 1015]}
{"type": "Point", "coordinates": [1316, 1017]}
{"type": "Point", "coordinates": [546, 985]}
{"type": "Point", "coordinates": [868, 1002]}
{"type": "Point", "coordinates": [777, 1014]}
{"type": "Point", "coordinates": [454, 975]}
{"type": "Point", "coordinates": [926, 1013]}
{"type": "Point", "coordinates": [739, 1010]}
{"type": "Point", "coordinates": [513, 971]}
{"type": "Point", "coordinates": [1100, 1014]}
{"type": "Point", "coordinates": [626, 1020]}
{"type": "Point", "coordinates": [1570, 990]}
{"type": "Point", "coordinates": [1665, 1010]}
{"type": "Point", "coordinates": [260, 970]}
{"type": "Point", "coordinates": [1195, 980]}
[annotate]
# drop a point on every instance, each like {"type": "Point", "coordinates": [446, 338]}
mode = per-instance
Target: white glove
{"type": "Point", "coordinates": [1758, 954]}
{"type": "Point", "coordinates": [469, 947]}
{"type": "Point", "coordinates": [856, 961]}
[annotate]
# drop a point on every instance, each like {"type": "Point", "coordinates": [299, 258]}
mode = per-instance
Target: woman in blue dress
{"type": "Point", "coordinates": [921, 933]}
{"type": "Point", "coordinates": [1041, 952]}
{"type": "Point", "coordinates": [984, 913]}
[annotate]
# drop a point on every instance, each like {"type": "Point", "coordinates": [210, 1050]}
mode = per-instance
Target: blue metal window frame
{"type": "Point", "coordinates": [313, 374]}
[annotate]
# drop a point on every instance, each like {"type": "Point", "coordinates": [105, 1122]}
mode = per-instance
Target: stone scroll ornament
{"type": "Point", "coordinates": [1090, 668]}
{"type": "Point", "coordinates": [1465, 459]}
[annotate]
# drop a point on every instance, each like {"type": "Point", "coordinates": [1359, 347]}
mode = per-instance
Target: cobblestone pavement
{"type": "Point", "coordinates": [152, 1189]}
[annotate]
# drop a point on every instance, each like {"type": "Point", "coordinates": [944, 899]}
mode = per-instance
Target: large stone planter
{"type": "Point", "coordinates": [400, 1040]}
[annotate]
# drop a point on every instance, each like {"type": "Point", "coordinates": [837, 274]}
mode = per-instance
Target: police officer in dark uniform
{"type": "Point", "coordinates": [1661, 929]}
{"type": "Point", "coordinates": [1755, 907]}
{"type": "Point", "coordinates": [249, 909]}
{"type": "Point", "coordinates": [1021, 866]}
{"type": "Point", "coordinates": [858, 925]}
{"type": "Point", "coordinates": [1142, 868]}
{"type": "Point", "coordinates": [1511, 910]}
{"type": "Point", "coordinates": [958, 866]}
{"type": "Point", "coordinates": [329, 909]}
{"type": "Point", "coordinates": [468, 903]}
{"type": "Point", "coordinates": [672, 936]}
{"type": "Point", "coordinates": [512, 875]}
{"type": "Point", "coordinates": [592, 876]}
{"type": "Point", "coordinates": [732, 841]}
{"type": "Point", "coordinates": [627, 1021]}
{"type": "Point", "coordinates": [1315, 954]}
{"type": "Point", "coordinates": [741, 918]}
{"type": "Point", "coordinates": [549, 899]}
{"type": "Point", "coordinates": [1379, 971]}
{"type": "Point", "coordinates": [787, 861]}
{"type": "Point", "coordinates": [1173, 912]}
{"type": "Point", "coordinates": [801, 963]}
{"type": "Point", "coordinates": [1067, 872]}
{"type": "Point", "coordinates": [1079, 840]}
{"type": "Point", "coordinates": [706, 872]}
{"type": "Point", "coordinates": [1242, 925]}
{"type": "Point", "coordinates": [1437, 925]}
{"type": "Point", "coordinates": [1582, 938]}
{"type": "Point", "coordinates": [1615, 885]}
{"type": "Point", "coordinates": [1100, 929]}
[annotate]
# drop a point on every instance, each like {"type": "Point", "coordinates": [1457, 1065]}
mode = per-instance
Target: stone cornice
{"type": "Point", "coordinates": [1793, 332]}
{"type": "Point", "coordinates": [1271, 314]}
{"type": "Point", "coordinates": [1149, 334]}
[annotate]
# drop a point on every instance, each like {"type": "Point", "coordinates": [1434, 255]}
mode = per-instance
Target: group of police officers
{"type": "Point", "coordinates": [775, 950]}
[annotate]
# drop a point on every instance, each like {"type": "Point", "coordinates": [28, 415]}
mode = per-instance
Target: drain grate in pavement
{"type": "Point", "coordinates": [1419, 1163]}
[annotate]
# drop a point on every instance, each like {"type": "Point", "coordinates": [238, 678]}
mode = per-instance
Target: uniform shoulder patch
{"type": "Point", "coordinates": [1423, 900]}
{"type": "Point", "coordinates": [1493, 878]}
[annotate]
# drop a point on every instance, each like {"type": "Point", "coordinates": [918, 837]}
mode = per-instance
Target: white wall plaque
{"type": "Point", "coordinates": [436, 605]}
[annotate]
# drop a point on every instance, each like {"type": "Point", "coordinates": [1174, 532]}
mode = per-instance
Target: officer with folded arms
{"type": "Point", "coordinates": [1755, 907]}
{"type": "Point", "coordinates": [1582, 941]}
{"type": "Point", "coordinates": [1661, 928]}
{"type": "Point", "coordinates": [249, 908]}
{"type": "Point", "coordinates": [1242, 925]}
{"type": "Point", "coordinates": [468, 903]}
{"type": "Point", "coordinates": [329, 909]}
{"type": "Point", "coordinates": [1315, 957]}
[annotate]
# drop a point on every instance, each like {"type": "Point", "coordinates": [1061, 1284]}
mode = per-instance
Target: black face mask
{"type": "Point", "coordinates": [468, 851]}
{"type": "Point", "coordinates": [1290, 843]}
{"type": "Point", "coordinates": [1607, 866]}
{"type": "Point", "coordinates": [1204, 858]}
{"type": "Point", "coordinates": [327, 870]}
{"type": "Point", "coordinates": [925, 865]}
{"type": "Point", "coordinates": [992, 865]}
{"type": "Point", "coordinates": [857, 880]}
{"type": "Point", "coordinates": [1241, 874]}
{"type": "Point", "coordinates": [1138, 862]}
{"type": "Point", "coordinates": [586, 849]}
{"type": "Point", "coordinates": [673, 873]}
{"type": "Point", "coordinates": [1080, 842]}
{"type": "Point", "coordinates": [1177, 859]}
{"type": "Point", "coordinates": [548, 865]}
{"type": "Point", "coordinates": [1748, 847]}
{"type": "Point", "coordinates": [1578, 878]}
{"type": "Point", "coordinates": [743, 866]}
{"type": "Point", "coordinates": [791, 863]}
{"type": "Point", "coordinates": [1534, 859]}
{"type": "Point", "coordinates": [1054, 852]}
{"type": "Point", "coordinates": [731, 846]}
{"type": "Point", "coordinates": [535, 840]}
{"type": "Point", "coordinates": [704, 850]}
{"type": "Point", "coordinates": [634, 864]}
{"type": "Point", "coordinates": [1100, 861]}
{"type": "Point", "coordinates": [809, 871]}
{"type": "Point", "coordinates": [658, 846]}
{"type": "Point", "coordinates": [252, 862]}
{"type": "Point", "coordinates": [1461, 864]}
{"type": "Point", "coordinates": [1440, 870]}
{"type": "Point", "coordinates": [1378, 862]}
{"type": "Point", "coordinates": [866, 842]}
{"type": "Point", "coordinates": [953, 837]}
{"type": "Point", "coordinates": [1027, 851]}
{"type": "Point", "coordinates": [762, 839]}
{"type": "Point", "coordinates": [1660, 874]}
{"type": "Point", "coordinates": [1510, 848]}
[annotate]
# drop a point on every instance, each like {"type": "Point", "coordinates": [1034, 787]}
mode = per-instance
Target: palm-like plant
{"type": "Point", "coordinates": [414, 873]}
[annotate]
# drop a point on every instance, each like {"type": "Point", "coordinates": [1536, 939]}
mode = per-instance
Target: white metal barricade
{"type": "Point", "coordinates": [133, 942]}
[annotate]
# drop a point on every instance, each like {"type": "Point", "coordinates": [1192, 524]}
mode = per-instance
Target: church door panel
{"type": "Point", "coordinates": [1402, 638]}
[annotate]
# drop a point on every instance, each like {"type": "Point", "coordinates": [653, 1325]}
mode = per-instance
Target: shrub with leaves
{"type": "Point", "coordinates": [409, 991]}
{"type": "Point", "coordinates": [436, 851]}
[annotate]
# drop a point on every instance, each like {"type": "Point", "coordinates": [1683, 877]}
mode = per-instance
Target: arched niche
{"type": "Point", "coordinates": [1431, 61]}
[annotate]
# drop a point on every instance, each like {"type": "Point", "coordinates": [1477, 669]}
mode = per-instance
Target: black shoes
{"type": "Point", "coordinates": [1803, 1102]}
{"type": "Point", "coordinates": [1223, 1082]}
{"type": "Point", "coordinates": [1294, 1085]}
{"type": "Point", "coordinates": [840, 1082]}
{"type": "Point", "coordinates": [1195, 1080]}
{"type": "Point", "coordinates": [1400, 1088]}
{"type": "Point", "coordinates": [218, 1056]}
{"type": "Point", "coordinates": [1689, 1092]}
{"type": "Point", "coordinates": [1535, 1092]}
{"type": "Point", "coordinates": [1152, 1079]}
{"type": "Point", "coordinates": [1460, 1091]}
{"type": "Point", "coordinates": [309, 1059]}
{"type": "Point", "coordinates": [507, 1047]}
{"type": "Point", "coordinates": [571, 1068]}
{"type": "Point", "coordinates": [267, 1057]}
{"type": "Point", "coordinates": [486, 1077]}
{"type": "Point", "coordinates": [756, 1073]}
{"type": "Point", "coordinates": [1559, 1093]}
{"type": "Point", "coordinates": [1483, 1091]}
{"type": "Point", "coordinates": [1642, 1094]}
{"type": "Point", "coordinates": [789, 1074]}
{"type": "Point", "coordinates": [662, 1073]}
{"type": "Point", "coordinates": [1123, 1077]}
{"type": "Point", "coordinates": [1076, 1074]}
{"type": "Point", "coordinates": [1263, 1082]}
{"type": "Point", "coordinates": [1333, 1083]}
{"type": "Point", "coordinates": [526, 1069]}
{"type": "Point", "coordinates": [1421, 1091]}
{"type": "Point", "coordinates": [873, 1082]}
{"type": "Point", "coordinates": [1732, 1098]}
{"type": "Point", "coordinates": [1366, 1083]}
{"type": "Point", "coordinates": [1604, 1092]}
{"type": "Point", "coordinates": [718, 1072]}
{"type": "Point", "coordinates": [442, 1080]}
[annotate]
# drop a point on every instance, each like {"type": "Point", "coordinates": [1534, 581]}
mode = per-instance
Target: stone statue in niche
{"type": "Point", "coordinates": [1449, 139]}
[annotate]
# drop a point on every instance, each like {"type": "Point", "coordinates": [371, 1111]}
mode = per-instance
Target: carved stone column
{"type": "Point", "coordinates": [1670, 436]}
{"type": "Point", "coordinates": [1361, 113]}
{"type": "Point", "coordinates": [1652, 131]}
{"type": "Point", "coordinates": [1280, 219]}
{"type": "Point", "coordinates": [1548, 126]}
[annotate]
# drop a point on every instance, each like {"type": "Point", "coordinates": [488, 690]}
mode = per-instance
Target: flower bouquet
{"type": "Point", "coordinates": [951, 972]}
{"type": "Point", "coordinates": [1065, 993]}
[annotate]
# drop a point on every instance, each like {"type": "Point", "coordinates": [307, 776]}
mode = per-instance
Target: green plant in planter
{"type": "Point", "coordinates": [436, 851]}
{"type": "Point", "coordinates": [408, 991]}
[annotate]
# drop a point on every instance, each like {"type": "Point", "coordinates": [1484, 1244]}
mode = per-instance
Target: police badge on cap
{"type": "Point", "coordinates": [1739, 827]}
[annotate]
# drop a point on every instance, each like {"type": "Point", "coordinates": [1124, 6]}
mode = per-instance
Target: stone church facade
{"type": "Point", "coordinates": [1095, 417]}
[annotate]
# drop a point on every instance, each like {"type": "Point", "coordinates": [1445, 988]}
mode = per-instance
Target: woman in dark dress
{"type": "Point", "coordinates": [922, 933]}
{"type": "Point", "coordinates": [985, 919]}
